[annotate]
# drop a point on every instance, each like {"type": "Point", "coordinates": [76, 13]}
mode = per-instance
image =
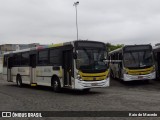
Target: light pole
{"type": "Point", "coordinates": [75, 4]}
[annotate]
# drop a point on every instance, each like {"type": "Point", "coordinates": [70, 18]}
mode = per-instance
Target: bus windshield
{"type": "Point", "coordinates": [91, 60]}
{"type": "Point", "coordinates": [138, 59]}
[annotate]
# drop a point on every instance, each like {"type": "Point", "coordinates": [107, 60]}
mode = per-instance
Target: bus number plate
{"type": "Point", "coordinates": [140, 77]}
{"type": "Point", "coordinates": [94, 84]}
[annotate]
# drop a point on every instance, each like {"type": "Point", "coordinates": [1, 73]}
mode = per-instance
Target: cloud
{"type": "Point", "coordinates": [53, 21]}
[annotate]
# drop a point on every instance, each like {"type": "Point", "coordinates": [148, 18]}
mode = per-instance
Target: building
{"type": "Point", "coordinates": [158, 44]}
{"type": "Point", "coordinates": [12, 47]}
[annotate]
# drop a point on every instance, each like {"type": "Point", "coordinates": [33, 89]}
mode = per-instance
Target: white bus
{"type": "Point", "coordinates": [132, 62]}
{"type": "Point", "coordinates": [156, 51]}
{"type": "Point", "coordinates": [75, 65]}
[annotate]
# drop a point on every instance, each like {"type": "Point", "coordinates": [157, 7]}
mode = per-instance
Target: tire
{"type": "Point", "coordinates": [86, 90]}
{"type": "Point", "coordinates": [56, 85]}
{"type": "Point", "coordinates": [146, 81]}
{"type": "Point", "coordinates": [19, 81]}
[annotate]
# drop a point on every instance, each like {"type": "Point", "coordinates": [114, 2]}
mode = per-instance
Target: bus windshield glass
{"type": "Point", "coordinates": [91, 60]}
{"type": "Point", "coordinates": [138, 58]}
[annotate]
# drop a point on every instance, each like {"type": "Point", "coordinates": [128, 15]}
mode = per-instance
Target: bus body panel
{"type": "Point", "coordinates": [5, 73]}
{"type": "Point", "coordinates": [24, 73]}
{"type": "Point", "coordinates": [91, 84]}
{"type": "Point", "coordinates": [33, 75]}
{"type": "Point", "coordinates": [92, 80]}
{"type": "Point", "coordinates": [150, 76]}
{"type": "Point", "coordinates": [44, 75]}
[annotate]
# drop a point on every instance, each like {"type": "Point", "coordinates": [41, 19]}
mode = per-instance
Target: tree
{"type": "Point", "coordinates": [111, 47]}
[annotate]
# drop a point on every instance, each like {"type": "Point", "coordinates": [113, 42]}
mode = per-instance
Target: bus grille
{"type": "Point", "coordinates": [94, 76]}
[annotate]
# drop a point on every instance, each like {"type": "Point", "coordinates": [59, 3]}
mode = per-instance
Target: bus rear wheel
{"type": "Point", "coordinates": [19, 81]}
{"type": "Point", "coordinates": [56, 85]}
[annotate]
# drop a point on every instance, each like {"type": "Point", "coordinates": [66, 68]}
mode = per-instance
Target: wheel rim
{"type": "Point", "coordinates": [55, 84]}
{"type": "Point", "coordinates": [18, 82]}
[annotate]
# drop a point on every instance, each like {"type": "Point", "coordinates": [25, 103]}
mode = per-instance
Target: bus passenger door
{"type": "Point", "coordinates": [67, 66]}
{"type": "Point", "coordinates": [33, 68]}
{"type": "Point", "coordinates": [9, 67]}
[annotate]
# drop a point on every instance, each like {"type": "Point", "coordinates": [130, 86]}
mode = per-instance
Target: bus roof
{"type": "Point", "coordinates": [120, 49]}
{"type": "Point", "coordinates": [156, 48]}
{"type": "Point", "coordinates": [48, 46]}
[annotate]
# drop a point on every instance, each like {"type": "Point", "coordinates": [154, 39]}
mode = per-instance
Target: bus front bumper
{"type": "Point", "coordinates": [150, 76]}
{"type": "Point", "coordinates": [80, 84]}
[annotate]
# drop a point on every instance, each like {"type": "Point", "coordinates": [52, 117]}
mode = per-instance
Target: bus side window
{"type": "Point", "coordinates": [116, 56]}
{"type": "Point", "coordinates": [43, 57]}
{"type": "Point", "coordinates": [32, 60]}
{"type": "Point", "coordinates": [155, 55]}
{"type": "Point", "coordinates": [120, 56]}
{"type": "Point", "coordinates": [5, 61]}
{"type": "Point", "coordinates": [25, 58]}
{"type": "Point", "coordinates": [10, 62]}
{"type": "Point", "coordinates": [113, 56]}
{"type": "Point", "coordinates": [55, 56]}
{"type": "Point", "coordinates": [16, 59]}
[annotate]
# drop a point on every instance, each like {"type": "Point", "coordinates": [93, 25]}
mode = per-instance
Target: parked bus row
{"type": "Point", "coordinates": [135, 62]}
{"type": "Point", "coordinates": [80, 65]}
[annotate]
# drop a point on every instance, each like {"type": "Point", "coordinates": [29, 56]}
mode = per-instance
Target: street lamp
{"type": "Point", "coordinates": [75, 4]}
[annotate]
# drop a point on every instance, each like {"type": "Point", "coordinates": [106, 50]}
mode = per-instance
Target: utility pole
{"type": "Point", "coordinates": [75, 4]}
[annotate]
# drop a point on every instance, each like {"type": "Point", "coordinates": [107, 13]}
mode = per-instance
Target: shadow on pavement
{"type": "Point", "coordinates": [63, 90]}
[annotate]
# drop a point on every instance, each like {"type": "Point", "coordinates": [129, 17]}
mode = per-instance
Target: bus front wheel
{"type": "Point", "coordinates": [86, 90]}
{"type": "Point", "coordinates": [56, 85]}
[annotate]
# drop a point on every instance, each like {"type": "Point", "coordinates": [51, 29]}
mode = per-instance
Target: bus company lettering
{"type": "Point", "coordinates": [47, 70]}
{"type": "Point", "coordinates": [21, 70]}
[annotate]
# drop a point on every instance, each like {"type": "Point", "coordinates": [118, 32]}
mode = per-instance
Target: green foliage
{"type": "Point", "coordinates": [111, 47]}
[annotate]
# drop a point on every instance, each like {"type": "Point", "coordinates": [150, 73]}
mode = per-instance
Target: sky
{"type": "Point", "coordinates": [54, 21]}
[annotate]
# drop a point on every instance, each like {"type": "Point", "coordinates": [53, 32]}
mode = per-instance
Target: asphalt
{"type": "Point", "coordinates": [120, 96]}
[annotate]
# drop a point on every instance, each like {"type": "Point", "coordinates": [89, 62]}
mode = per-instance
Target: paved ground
{"type": "Point", "coordinates": [132, 96]}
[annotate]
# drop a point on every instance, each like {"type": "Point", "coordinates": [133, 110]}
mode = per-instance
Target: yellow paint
{"type": "Point", "coordinates": [55, 45]}
{"type": "Point", "coordinates": [139, 71]}
{"type": "Point", "coordinates": [60, 72]}
{"type": "Point", "coordinates": [33, 84]}
{"type": "Point", "coordinates": [94, 76]}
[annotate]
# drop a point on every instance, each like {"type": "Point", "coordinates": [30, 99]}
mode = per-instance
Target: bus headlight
{"type": "Point", "coordinates": [78, 76]}
{"type": "Point", "coordinates": [125, 71]}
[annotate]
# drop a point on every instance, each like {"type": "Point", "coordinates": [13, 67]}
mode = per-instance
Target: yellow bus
{"type": "Point", "coordinates": [74, 65]}
{"type": "Point", "coordinates": [132, 62]}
